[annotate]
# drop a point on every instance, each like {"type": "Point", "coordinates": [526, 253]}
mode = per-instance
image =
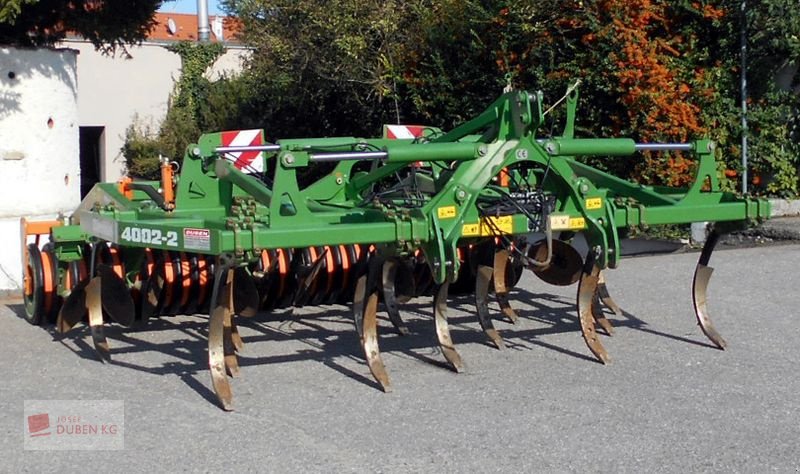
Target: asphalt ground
{"type": "Point", "coordinates": [668, 402]}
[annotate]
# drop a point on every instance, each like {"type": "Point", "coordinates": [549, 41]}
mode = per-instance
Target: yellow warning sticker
{"type": "Point", "coordinates": [565, 222]}
{"type": "Point", "coordinates": [446, 212]}
{"type": "Point", "coordinates": [576, 223]}
{"type": "Point", "coordinates": [468, 230]}
{"type": "Point", "coordinates": [504, 224]}
{"type": "Point", "coordinates": [559, 222]}
{"type": "Point", "coordinates": [488, 227]}
{"type": "Point", "coordinates": [594, 203]}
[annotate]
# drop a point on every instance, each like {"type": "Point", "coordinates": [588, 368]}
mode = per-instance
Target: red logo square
{"type": "Point", "coordinates": [37, 423]}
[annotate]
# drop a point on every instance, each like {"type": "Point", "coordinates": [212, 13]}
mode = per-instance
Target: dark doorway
{"type": "Point", "coordinates": [91, 143]}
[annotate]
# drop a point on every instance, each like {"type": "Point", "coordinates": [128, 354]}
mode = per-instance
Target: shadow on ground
{"type": "Point", "coordinates": [329, 336]}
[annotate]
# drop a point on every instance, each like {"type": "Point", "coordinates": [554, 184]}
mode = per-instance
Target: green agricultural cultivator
{"type": "Point", "coordinates": [242, 229]}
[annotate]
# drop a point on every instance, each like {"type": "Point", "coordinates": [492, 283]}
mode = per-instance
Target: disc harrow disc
{"type": "Point", "coordinates": [565, 266]}
{"type": "Point", "coordinates": [245, 293]}
{"type": "Point", "coordinates": [115, 296]}
{"type": "Point", "coordinates": [73, 310]}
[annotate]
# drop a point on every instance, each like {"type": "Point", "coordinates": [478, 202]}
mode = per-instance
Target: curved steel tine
{"type": "Point", "coordinates": [365, 315]}
{"type": "Point", "coordinates": [443, 330]}
{"type": "Point", "coordinates": [599, 317]}
{"type": "Point", "coordinates": [359, 302]}
{"type": "Point", "coordinates": [229, 326]}
{"type": "Point", "coordinates": [605, 297]}
{"type": "Point", "coordinates": [500, 289]}
{"type": "Point", "coordinates": [236, 338]}
{"type": "Point", "coordinates": [369, 342]}
{"type": "Point", "coordinates": [587, 287]}
{"type": "Point", "coordinates": [484, 276]}
{"type": "Point", "coordinates": [95, 308]}
{"type": "Point", "coordinates": [388, 275]}
{"type": "Point", "coordinates": [216, 337]}
{"type": "Point", "coordinates": [702, 275]}
{"type": "Point", "coordinates": [229, 346]}
{"type": "Point", "coordinates": [232, 337]}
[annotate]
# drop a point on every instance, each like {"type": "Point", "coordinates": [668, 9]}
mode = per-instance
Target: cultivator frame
{"type": "Point", "coordinates": [237, 231]}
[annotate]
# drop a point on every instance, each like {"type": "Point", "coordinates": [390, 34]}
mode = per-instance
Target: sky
{"type": "Point", "coordinates": [189, 6]}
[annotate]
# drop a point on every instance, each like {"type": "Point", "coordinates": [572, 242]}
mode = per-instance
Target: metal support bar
{"type": "Point", "coordinates": [350, 155]}
{"type": "Point", "coordinates": [743, 41]}
{"type": "Point", "coordinates": [234, 149]}
{"type": "Point", "coordinates": [410, 153]}
{"type": "Point", "coordinates": [226, 171]}
{"type": "Point", "coordinates": [664, 146]}
{"type": "Point", "coordinates": [607, 146]}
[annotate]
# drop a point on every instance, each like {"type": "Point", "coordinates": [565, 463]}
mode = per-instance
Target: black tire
{"type": "Point", "coordinates": [33, 291]}
{"type": "Point", "coordinates": [55, 306]}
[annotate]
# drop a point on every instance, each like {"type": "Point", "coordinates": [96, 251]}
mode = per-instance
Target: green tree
{"type": "Point", "coordinates": [774, 84]}
{"type": "Point", "coordinates": [655, 70]}
{"type": "Point", "coordinates": [325, 68]}
{"type": "Point", "coordinates": [107, 24]}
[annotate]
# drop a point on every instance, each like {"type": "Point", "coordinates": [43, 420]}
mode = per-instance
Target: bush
{"type": "Point", "coordinates": [774, 155]}
{"type": "Point", "coordinates": [141, 150]}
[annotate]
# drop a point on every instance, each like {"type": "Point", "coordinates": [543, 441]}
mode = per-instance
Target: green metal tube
{"type": "Point", "coordinates": [330, 143]}
{"type": "Point", "coordinates": [433, 152]}
{"type": "Point", "coordinates": [226, 171]}
{"type": "Point", "coordinates": [590, 146]}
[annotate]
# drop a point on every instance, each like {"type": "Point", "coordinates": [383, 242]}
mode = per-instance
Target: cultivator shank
{"type": "Point", "coordinates": [242, 229]}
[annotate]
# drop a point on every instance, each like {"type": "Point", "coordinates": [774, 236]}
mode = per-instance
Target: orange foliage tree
{"type": "Point", "coordinates": [652, 70]}
{"type": "Point", "coordinates": [641, 59]}
{"type": "Point", "coordinates": [645, 67]}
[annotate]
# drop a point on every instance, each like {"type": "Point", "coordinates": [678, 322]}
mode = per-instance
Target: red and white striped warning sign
{"type": "Point", "coordinates": [249, 161]}
{"type": "Point", "coordinates": [403, 132]}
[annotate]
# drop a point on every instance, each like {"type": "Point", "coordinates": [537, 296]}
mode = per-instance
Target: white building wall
{"type": "Point", "coordinates": [39, 154]}
{"type": "Point", "coordinates": [113, 91]}
{"type": "Point", "coordinates": [45, 96]}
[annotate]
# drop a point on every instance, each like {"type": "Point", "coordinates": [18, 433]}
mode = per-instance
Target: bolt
{"type": "Point", "coordinates": [461, 194]}
{"type": "Point", "coordinates": [196, 151]}
{"type": "Point", "coordinates": [550, 147]}
{"type": "Point", "coordinates": [288, 159]}
{"type": "Point", "coordinates": [339, 180]}
{"type": "Point", "coordinates": [482, 150]}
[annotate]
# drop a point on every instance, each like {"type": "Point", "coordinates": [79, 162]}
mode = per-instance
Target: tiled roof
{"type": "Point", "coordinates": [186, 28]}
